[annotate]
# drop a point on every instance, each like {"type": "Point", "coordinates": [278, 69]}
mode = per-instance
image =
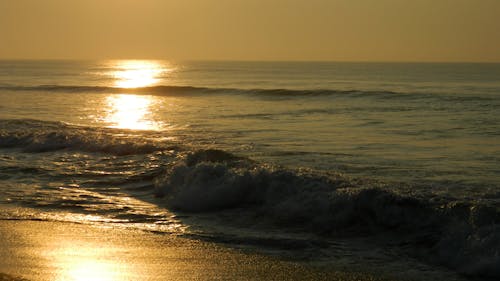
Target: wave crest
{"type": "Point", "coordinates": [35, 136]}
{"type": "Point", "coordinates": [464, 237]}
{"type": "Point", "coordinates": [171, 90]}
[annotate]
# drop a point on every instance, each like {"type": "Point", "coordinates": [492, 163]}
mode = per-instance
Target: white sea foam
{"type": "Point", "coordinates": [42, 136]}
{"type": "Point", "coordinates": [465, 237]}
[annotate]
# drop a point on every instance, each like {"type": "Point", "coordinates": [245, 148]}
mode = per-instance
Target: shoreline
{"type": "Point", "coordinates": [42, 250]}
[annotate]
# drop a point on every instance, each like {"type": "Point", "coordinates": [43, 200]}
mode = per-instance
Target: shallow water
{"type": "Point", "coordinates": [318, 150]}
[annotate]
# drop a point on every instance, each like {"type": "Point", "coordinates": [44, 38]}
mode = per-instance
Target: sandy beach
{"type": "Point", "coordinates": [40, 250]}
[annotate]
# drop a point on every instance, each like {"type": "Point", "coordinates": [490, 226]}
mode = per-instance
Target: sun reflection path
{"type": "Point", "coordinates": [82, 259]}
{"type": "Point", "coordinates": [131, 112]}
{"type": "Point", "coordinates": [90, 270]}
{"type": "Point", "coordinates": [135, 74]}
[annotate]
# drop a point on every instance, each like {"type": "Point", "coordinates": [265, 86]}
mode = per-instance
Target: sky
{"type": "Point", "coordinates": [324, 30]}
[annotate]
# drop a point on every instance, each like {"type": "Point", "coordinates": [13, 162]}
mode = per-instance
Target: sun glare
{"type": "Point", "coordinates": [135, 74]}
{"type": "Point", "coordinates": [79, 260]}
{"type": "Point", "coordinates": [90, 270]}
{"type": "Point", "coordinates": [131, 112]}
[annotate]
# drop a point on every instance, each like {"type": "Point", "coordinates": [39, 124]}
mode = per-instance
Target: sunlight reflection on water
{"type": "Point", "coordinates": [126, 111]}
{"type": "Point", "coordinates": [138, 73]}
{"type": "Point", "coordinates": [86, 261]}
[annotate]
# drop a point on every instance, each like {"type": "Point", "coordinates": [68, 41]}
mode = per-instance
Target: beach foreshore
{"type": "Point", "coordinates": [42, 250]}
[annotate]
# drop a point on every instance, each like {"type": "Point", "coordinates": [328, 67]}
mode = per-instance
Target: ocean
{"type": "Point", "coordinates": [373, 166]}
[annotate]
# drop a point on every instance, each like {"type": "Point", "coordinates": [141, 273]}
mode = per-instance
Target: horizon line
{"type": "Point", "coordinates": [253, 60]}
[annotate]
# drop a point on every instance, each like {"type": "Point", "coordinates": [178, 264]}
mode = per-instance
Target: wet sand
{"type": "Point", "coordinates": [39, 250]}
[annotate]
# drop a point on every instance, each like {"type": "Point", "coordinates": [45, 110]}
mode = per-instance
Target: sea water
{"type": "Point", "coordinates": [289, 155]}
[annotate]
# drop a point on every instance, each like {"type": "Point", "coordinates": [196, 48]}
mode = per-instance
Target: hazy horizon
{"type": "Point", "coordinates": [247, 60]}
{"type": "Point", "coordinates": [294, 30]}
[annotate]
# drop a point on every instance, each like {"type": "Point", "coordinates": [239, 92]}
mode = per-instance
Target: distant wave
{"type": "Point", "coordinates": [98, 89]}
{"type": "Point", "coordinates": [277, 93]}
{"type": "Point", "coordinates": [188, 90]}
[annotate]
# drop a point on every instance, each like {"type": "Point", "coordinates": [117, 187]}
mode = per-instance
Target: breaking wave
{"type": "Point", "coordinates": [43, 136]}
{"type": "Point", "coordinates": [464, 236]}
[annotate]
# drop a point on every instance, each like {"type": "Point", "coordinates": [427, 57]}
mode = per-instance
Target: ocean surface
{"type": "Point", "coordinates": [384, 167]}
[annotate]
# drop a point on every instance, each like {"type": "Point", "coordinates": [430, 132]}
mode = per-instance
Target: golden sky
{"type": "Point", "coordinates": [338, 30]}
